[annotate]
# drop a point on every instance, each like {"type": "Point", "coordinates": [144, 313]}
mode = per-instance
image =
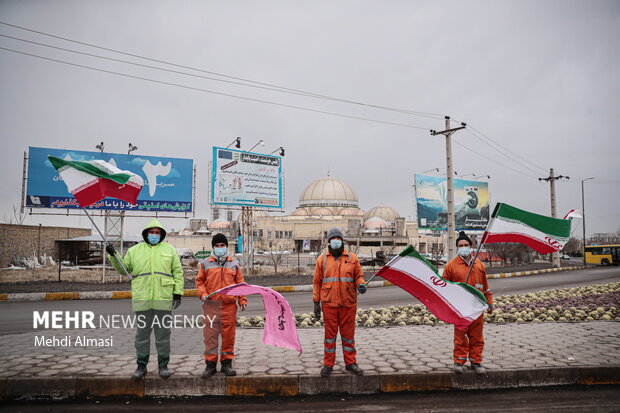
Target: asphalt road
{"type": "Point", "coordinates": [16, 317]}
{"type": "Point", "coordinates": [544, 399]}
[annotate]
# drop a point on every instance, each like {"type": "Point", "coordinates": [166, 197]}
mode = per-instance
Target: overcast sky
{"type": "Point", "coordinates": [540, 78]}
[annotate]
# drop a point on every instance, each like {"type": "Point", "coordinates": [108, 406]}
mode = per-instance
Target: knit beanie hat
{"type": "Point", "coordinates": [464, 236]}
{"type": "Point", "coordinates": [217, 238]}
{"type": "Point", "coordinates": [334, 232]}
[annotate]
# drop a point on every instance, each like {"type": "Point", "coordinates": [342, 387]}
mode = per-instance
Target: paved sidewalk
{"type": "Point", "coordinates": [409, 350]}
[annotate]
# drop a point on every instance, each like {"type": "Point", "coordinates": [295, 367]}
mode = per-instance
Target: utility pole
{"type": "Point", "coordinates": [583, 220]}
{"type": "Point", "coordinates": [555, 256]}
{"type": "Point", "coordinates": [450, 183]}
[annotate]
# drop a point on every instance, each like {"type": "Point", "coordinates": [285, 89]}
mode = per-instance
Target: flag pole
{"type": "Point", "coordinates": [473, 262]}
{"type": "Point", "coordinates": [105, 241]}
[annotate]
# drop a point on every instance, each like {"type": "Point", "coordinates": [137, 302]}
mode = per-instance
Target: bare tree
{"type": "Point", "coordinates": [573, 245]}
{"type": "Point", "coordinates": [275, 254]}
{"type": "Point", "coordinates": [17, 217]}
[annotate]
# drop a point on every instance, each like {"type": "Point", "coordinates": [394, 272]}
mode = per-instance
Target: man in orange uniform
{"type": "Point", "coordinates": [336, 276]}
{"type": "Point", "coordinates": [470, 340]}
{"type": "Point", "coordinates": [219, 271]}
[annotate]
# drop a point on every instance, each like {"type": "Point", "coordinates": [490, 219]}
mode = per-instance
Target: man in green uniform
{"type": "Point", "coordinates": [156, 288]}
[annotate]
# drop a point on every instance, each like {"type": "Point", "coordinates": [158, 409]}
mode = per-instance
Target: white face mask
{"type": "Point", "coordinates": [464, 251]}
{"type": "Point", "coordinates": [335, 244]}
{"type": "Point", "coordinates": [220, 251]}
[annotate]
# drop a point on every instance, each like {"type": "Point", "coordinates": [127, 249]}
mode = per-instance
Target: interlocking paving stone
{"type": "Point", "coordinates": [511, 346]}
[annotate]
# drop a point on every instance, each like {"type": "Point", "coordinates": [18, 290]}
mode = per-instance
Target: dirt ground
{"type": "Point", "coordinates": [46, 279]}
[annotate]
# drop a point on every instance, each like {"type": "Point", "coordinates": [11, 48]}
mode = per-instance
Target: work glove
{"type": "Point", "coordinates": [317, 310]}
{"type": "Point", "coordinates": [362, 288]}
{"type": "Point", "coordinates": [110, 250]}
{"type": "Point", "coordinates": [176, 301]}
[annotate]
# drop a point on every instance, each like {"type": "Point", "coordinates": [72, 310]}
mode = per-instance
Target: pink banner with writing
{"type": "Point", "coordinates": [280, 329]}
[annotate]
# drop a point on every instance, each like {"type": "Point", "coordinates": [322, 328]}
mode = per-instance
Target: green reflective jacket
{"type": "Point", "coordinates": [156, 272]}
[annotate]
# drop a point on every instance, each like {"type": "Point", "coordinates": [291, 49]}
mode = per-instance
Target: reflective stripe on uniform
{"type": "Point", "coordinates": [348, 341]}
{"type": "Point", "coordinates": [329, 350]}
{"type": "Point", "coordinates": [343, 279]}
{"type": "Point", "coordinates": [224, 353]}
{"type": "Point", "coordinates": [162, 273]}
{"type": "Point", "coordinates": [330, 340]}
{"type": "Point", "coordinates": [211, 351]}
{"type": "Point", "coordinates": [460, 358]}
{"type": "Point", "coordinates": [349, 349]}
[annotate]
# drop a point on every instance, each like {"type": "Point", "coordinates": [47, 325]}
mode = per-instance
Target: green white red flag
{"type": "Point", "coordinates": [539, 232]}
{"type": "Point", "coordinates": [455, 303]}
{"type": "Point", "coordinates": [92, 181]}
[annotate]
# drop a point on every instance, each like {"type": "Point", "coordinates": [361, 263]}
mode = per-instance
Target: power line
{"type": "Point", "coordinates": [214, 92]}
{"type": "Point", "coordinates": [478, 132]}
{"type": "Point", "coordinates": [493, 160]}
{"type": "Point", "coordinates": [268, 85]}
{"type": "Point", "coordinates": [502, 153]}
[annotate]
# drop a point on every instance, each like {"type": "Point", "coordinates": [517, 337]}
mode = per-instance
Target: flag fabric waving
{"type": "Point", "coordinates": [455, 303]}
{"type": "Point", "coordinates": [92, 181]}
{"type": "Point", "coordinates": [573, 213]}
{"type": "Point", "coordinates": [541, 233]}
{"type": "Point", "coordinates": [280, 329]}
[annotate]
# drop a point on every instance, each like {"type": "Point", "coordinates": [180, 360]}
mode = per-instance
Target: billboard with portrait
{"type": "Point", "coordinates": [246, 179]}
{"type": "Point", "coordinates": [471, 203]}
{"type": "Point", "coordinates": [168, 182]}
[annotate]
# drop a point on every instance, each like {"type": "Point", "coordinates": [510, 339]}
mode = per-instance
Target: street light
{"type": "Point", "coordinates": [260, 142]}
{"type": "Point", "coordinates": [583, 219]}
{"type": "Point", "coordinates": [100, 146]}
{"type": "Point", "coordinates": [237, 143]}
{"type": "Point", "coordinates": [430, 170]}
{"type": "Point", "coordinates": [281, 149]}
{"type": "Point", "coordinates": [131, 149]}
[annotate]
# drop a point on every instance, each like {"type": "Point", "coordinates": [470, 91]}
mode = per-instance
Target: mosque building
{"type": "Point", "coordinates": [325, 203]}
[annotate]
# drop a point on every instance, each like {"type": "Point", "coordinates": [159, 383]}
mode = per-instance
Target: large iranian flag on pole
{"type": "Point", "coordinates": [539, 232]}
{"type": "Point", "coordinates": [455, 303]}
{"type": "Point", "coordinates": [92, 181]}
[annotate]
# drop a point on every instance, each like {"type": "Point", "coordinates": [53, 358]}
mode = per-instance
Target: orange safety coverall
{"type": "Point", "coordinates": [470, 340]}
{"type": "Point", "coordinates": [211, 277]}
{"type": "Point", "coordinates": [335, 285]}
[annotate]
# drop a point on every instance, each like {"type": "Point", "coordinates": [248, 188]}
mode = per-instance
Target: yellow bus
{"type": "Point", "coordinates": [603, 254]}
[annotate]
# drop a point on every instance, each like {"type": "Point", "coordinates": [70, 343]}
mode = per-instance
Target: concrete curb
{"type": "Point", "coordinates": [298, 385]}
{"type": "Point", "coordinates": [109, 295]}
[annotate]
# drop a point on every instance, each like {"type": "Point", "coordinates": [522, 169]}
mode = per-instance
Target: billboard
{"type": "Point", "coordinates": [246, 179]}
{"type": "Point", "coordinates": [471, 203]}
{"type": "Point", "coordinates": [167, 181]}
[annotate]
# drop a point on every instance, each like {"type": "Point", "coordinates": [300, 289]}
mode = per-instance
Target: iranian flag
{"type": "Point", "coordinates": [455, 303]}
{"type": "Point", "coordinates": [94, 180]}
{"type": "Point", "coordinates": [539, 232]}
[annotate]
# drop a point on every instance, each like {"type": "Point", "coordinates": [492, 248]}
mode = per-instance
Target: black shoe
{"type": "Point", "coordinates": [165, 372]}
{"type": "Point", "coordinates": [326, 371]}
{"type": "Point", "coordinates": [140, 371]}
{"type": "Point", "coordinates": [227, 368]}
{"type": "Point", "coordinates": [354, 368]}
{"type": "Point", "coordinates": [210, 370]}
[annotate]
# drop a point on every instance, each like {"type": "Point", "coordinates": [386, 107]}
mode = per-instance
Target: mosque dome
{"type": "Point", "coordinates": [219, 224]}
{"type": "Point", "coordinates": [375, 223]}
{"type": "Point", "coordinates": [388, 214]}
{"type": "Point", "coordinates": [348, 211]}
{"type": "Point", "coordinates": [322, 211]}
{"type": "Point", "coordinates": [300, 212]}
{"type": "Point", "coordinates": [328, 192]}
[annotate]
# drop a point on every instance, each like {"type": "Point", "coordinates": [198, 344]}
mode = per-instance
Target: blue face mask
{"type": "Point", "coordinates": [220, 252]}
{"type": "Point", "coordinates": [464, 251]}
{"type": "Point", "coordinates": [335, 244]}
{"type": "Point", "coordinates": [153, 238]}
